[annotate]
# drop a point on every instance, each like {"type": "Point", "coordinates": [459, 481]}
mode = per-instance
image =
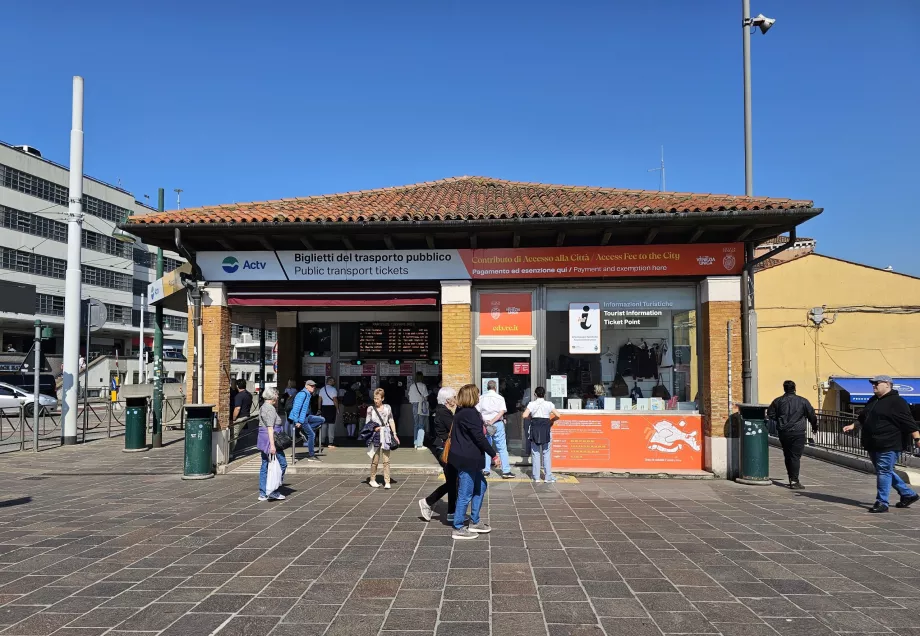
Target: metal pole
{"type": "Point", "coordinates": [157, 436]}
{"type": "Point", "coordinates": [74, 273]}
{"type": "Point", "coordinates": [728, 330]}
{"type": "Point", "coordinates": [748, 334]}
{"type": "Point", "coordinates": [748, 134]}
{"type": "Point", "coordinates": [141, 368]}
{"type": "Point", "coordinates": [195, 293]}
{"type": "Point", "coordinates": [262, 361]}
{"type": "Point", "coordinates": [36, 370]}
{"type": "Point", "coordinates": [86, 373]}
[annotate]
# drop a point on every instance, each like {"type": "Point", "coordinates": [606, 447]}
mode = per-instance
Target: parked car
{"type": "Point", "coordinates": [12, 397]}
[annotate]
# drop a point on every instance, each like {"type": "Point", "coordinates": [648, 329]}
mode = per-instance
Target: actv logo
{"type": "Point", "coordinates": [231, 264]}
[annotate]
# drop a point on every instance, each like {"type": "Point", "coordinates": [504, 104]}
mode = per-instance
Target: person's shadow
{"type": "Point", "coordinates": [15, 502]}
{"type": "Point", "coordinates": [832, 499]}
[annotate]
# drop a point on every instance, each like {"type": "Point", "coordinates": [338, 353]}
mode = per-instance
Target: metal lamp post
{"type": "Point", "coordinates": [749, 318]}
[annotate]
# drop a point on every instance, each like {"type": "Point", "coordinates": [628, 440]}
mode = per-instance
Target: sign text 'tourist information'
{"type": "Point", "coordinates": [713, 259]}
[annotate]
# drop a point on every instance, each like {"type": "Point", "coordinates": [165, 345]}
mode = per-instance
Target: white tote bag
{"type": "Point", "coordinates": [273, 480]}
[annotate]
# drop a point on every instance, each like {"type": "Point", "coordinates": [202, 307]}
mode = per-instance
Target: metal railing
{"type": "Point", "coordinates": [99, 420]}
{"type": "Point", "coordinates": [831, 436]}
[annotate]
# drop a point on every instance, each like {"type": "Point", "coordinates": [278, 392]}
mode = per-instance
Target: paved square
{"type": "Point", "coordinates": [94, 541]}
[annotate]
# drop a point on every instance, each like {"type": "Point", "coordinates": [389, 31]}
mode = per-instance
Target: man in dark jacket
{"type": "Point", "coordinates": [792, 415]}
{"type": "Point", "coordinates": [887, 429]}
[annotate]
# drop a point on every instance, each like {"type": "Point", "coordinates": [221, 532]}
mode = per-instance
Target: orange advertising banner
{"type": "Point", "coordinates": [652, 440]}
{"type": "Point", "coordinates": [705, 259]}
{"type": "Point", "coordinates": [505, 314]}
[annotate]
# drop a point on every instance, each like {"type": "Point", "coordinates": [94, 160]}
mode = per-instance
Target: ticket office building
{"type": "Point", "coordinates": [612, 300]}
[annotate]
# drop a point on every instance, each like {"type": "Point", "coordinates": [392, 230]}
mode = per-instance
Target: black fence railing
{"type": "Point", "coordinates": [831, 436]}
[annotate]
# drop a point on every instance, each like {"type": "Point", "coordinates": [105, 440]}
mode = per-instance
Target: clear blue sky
{"type": "Point", "coordinates": [243, 101]}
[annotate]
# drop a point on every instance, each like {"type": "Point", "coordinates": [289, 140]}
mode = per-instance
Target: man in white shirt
{"type": "Point", "coordinates": [492, 408]}
{"type": "Point", "coordinates": [329, 407]}
{"type": "Point", "coordinates": [418, 398]}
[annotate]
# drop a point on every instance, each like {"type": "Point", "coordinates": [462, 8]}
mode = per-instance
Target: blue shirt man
{"type": "Point", "coordinates": [304, 420]}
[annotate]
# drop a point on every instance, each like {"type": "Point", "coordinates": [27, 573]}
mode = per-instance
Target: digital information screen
{"type": "Point", "coordinates": [388, 340]}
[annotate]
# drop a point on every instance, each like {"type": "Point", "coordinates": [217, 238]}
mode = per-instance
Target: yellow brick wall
{"type": "Point", "coordinates": [714, 351]}
{"type": "Point", "coordinates": [456, 345]}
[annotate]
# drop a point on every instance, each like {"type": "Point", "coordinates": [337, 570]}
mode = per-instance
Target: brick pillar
{"type": "Point", "coordinates": [721, 303]}
{"type": "Point", "coordinates": [456, 333]}
{"type": "Point", "coordinates": [215, 327]}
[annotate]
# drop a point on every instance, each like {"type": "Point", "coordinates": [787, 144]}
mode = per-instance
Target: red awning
{"type": "Point", "coordinates": [300, 300]}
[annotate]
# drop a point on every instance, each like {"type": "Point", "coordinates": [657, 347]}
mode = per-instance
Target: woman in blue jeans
{"type": "Point", "coordinates": [269, 424]}
{"type": "Point", "coordinates": [542, 414]}
{"type": "Point", "coordinates": [467, 444]}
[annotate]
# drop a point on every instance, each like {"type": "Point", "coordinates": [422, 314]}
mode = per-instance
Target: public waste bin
{"type": "Point", "coordinates": [199, 421]}
{"type": "Point", "coordinates": [753, 446]}
{"type": "Point", "coordinates": [135, 424]}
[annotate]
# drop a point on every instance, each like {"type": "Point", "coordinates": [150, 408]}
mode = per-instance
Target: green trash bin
{"type": "Point", "coordinates": [753, 446]}
{"type": "Point", "coordinates": [199, 421]}
{"type": "Point", "coordinates": [135, 424]}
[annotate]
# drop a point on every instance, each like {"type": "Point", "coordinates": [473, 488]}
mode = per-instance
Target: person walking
{"type": "Point", "coordinates": [270, 424]}
{"type": "Point", "coordinates": [792, 414]}
{"type": "Point", "coordinates": [305, 421]}
{"type": "Point", "coordinates": [542, 414]}
{"type": "Point", "coordinates": [492, 408]}
{"type": "Point", "coordinates": [418, 398]}
{"type": "Point", "coordinates": [242, 401]}
{"type": "Point", "coordinates": [467, 444]}
{"type": "Point", "coordinates": [887, 428]}
{"type": "Point", "coordinates": [329, 408]}
{"type": "Point", "coordinates": [380, 434]}
{"type": "Point", "coordinates": [443, 419]}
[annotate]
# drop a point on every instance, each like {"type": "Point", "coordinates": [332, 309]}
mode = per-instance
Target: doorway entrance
{"type": "Point", "coordinates": [512, 372]}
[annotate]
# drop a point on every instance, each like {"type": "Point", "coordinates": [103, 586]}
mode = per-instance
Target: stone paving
{"type": "Point", "coordinates": [94, 541]}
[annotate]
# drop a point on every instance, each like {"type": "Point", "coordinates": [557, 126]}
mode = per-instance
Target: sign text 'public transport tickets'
{"type": "Point", "coordinates": [498, 264]}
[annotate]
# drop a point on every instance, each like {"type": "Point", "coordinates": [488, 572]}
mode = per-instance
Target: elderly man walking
{"type": "Point", "coordinates": [492, 408]}
{"type": "Point", "coordinates": [887, 428]}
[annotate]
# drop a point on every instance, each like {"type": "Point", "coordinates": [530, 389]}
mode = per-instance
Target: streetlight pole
{"type": "Point", "coordinates": [749, 315]}
{"type": "Point", "coordinates": [74, 274]}
{"type": "Point", "coordinates": [748, 132]}
{"type": "Point", "coordinates": [157, 437]}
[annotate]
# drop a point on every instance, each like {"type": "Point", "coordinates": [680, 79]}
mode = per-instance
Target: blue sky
{"type": "Point", "coordinates": [242, 101]}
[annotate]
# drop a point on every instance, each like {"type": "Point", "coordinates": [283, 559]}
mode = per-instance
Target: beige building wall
{"type": "Point", "coordinates": [866, 337]}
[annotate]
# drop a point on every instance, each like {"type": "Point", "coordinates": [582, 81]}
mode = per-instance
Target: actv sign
{"type": "Point", "coordinates": [501, 264]}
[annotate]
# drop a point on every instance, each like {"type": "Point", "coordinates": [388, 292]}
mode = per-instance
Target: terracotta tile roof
{"type": "Point", "coordinates": [783, 239]}
{"type": "Point", "coordinates": [466, 198]}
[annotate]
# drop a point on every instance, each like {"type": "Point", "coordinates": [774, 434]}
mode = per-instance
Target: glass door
{"type": "Point", "coordinates": [511, 372]}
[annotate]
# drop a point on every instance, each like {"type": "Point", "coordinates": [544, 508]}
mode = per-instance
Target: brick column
{"type": "Point", "coordinates": [456, 333]}
{"type": "Point", "coordinates": [721, 303]}
{"type": "Point", "coordinates": [215, 327]}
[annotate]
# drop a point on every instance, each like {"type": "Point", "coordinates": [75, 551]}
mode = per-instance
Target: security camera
{"type": "Point", "coordinates": [763, 23]}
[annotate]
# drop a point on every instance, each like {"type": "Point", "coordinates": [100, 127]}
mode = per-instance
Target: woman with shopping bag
{"type": "Point", "coordinates": [274, 464]}
{"type": "Point", "coordinates": [380, 435]}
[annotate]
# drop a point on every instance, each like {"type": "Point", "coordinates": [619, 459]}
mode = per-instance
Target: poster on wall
{"type": "Point", "coordinates": [650, 441]}
{"type": "Point", "coordinates": [505, 314]}
{"type": "Point", "coordinates": [584, 328]}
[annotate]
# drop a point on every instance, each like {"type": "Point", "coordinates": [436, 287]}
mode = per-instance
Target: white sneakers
{"type": "Point", "coordinates": [373, 484]}
{"type": "Point", "coordinates": [425, 508]}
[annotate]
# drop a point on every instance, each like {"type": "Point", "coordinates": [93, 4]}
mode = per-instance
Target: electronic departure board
{"type": "Point", "coordinates": [388, 339]}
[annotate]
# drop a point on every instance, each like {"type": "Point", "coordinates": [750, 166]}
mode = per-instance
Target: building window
{"type": "Point", "coordinates": [43, 189]}
{"type": "Point", "coordinates": [49, 305]}
{"type": "Point", "coordinates": [316, 339]}
{"type": "Point", "coordinates": [646, 349]}
{"type": "Point", "coordinates": [104, 278]}
{"type": "Point", "coordinates": [175, 323]}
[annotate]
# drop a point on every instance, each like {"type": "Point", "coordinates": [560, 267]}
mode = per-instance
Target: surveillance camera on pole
{"type": "Point", "coordinates": [761, 21]}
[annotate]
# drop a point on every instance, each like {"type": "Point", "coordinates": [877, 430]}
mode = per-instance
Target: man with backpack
{"type": "Point", "coordinates": [304, 420]}
{"type": "Point", "coordinates": [792, 414]}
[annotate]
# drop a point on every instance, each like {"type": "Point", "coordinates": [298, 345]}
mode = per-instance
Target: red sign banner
{"type": "Point", "coordinates": [712, 259]}
{"type": "Point", "coordinates": [521, 368]}
{"type": "Point", "coordinates": [505, 314]}
{"type": "Point", "coordinates": [654, 440]}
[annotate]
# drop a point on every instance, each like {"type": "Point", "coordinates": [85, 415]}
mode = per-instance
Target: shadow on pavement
{"type": "Point", "coordinates": [15, 502]}
{"type": "Point", "coordinates": [833, 499]}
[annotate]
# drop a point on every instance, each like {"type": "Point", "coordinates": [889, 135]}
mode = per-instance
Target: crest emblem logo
{"type": "Point", "coordinates": [729, 262]}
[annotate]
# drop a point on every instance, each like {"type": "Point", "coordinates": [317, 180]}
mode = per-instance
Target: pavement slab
{"type": "Point", "coordinates": [94, 541]}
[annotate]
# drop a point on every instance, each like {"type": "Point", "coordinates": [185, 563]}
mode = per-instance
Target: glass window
{"type": "Point", "coordinates": [646, 343]}
{"type": "Point", "coordinates": [317, 338]}
{"type": "Point", "coordinates": [348, 337]}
